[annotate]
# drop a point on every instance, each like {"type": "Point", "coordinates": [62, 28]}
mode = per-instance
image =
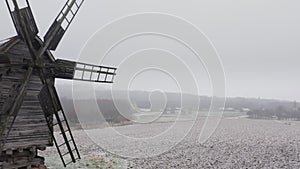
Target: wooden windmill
{"type": "Point", "coordinates": [30, 108]}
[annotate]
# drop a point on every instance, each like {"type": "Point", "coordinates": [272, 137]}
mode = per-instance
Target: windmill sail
{"type": "Point", "coordinates": [62, 23]}
{"type": "Point", "coordinates": [25, 24]}
{"type": "Point", "coordinates": [55, 116]}
{"type": "Point", "coordinates": [27, 17]}
{"type": "Point", "coordinates": [65, 69]}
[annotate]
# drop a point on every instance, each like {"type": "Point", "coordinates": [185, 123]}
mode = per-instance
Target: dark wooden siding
{"type": "Point", "coordinates": [30, 127]}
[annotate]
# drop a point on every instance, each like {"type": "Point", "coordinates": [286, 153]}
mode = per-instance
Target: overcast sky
{"type": "Point", "coordinates": [257, 40]}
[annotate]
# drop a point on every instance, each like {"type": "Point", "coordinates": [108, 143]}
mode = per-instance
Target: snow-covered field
{"type": "Point", "coordinates": [237, 143]}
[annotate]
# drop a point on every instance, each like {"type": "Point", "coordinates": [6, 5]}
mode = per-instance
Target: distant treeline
{"type": "Point", "coordinates": [280, 113]}
{"type": "Point", "coordinates": [255, 107]}
{"type": "Point", "coordinates": [106, 111]}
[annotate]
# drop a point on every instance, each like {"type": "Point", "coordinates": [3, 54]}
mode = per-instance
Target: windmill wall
{"type": "Point", "coordinates": [30, 127]}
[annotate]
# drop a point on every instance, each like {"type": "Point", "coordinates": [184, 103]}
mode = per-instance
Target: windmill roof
{"type": "Point", "coordinates": [6, 44]}
{"type": "Point", "coordinates": [10, 43]}
{"type": "Point", "coordinates": [4, 41]}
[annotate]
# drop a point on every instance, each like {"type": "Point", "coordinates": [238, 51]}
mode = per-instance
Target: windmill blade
{"type": "Point", "coordinates": [24, 14]}
{"type": "Point", "coordinates": [12, 107]}
{"type": "Point", "coordinates": [65, 69]}
{"type": "Point", "coordinates": [24, 23]}
{"type": "Point", "coordinates": [52, 107]}
{"type": "Point", "coordinates": [12, 65]}
{"type": "Point", "coordinates": [62, 23]}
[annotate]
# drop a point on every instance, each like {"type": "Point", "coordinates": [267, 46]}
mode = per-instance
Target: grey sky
{"type": "Point", "coordinates": [257, 39]}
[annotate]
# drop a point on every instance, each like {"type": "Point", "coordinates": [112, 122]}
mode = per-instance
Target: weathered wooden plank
{"type": "Point", "coordinates": [31, 116]}
{"type": "Point", "coordinates": [28, 134]}
{"type": "Point", "coordinates": [33, 112]}
{"type": "Point", "coordinates": [20, 49]}
{"type": "Point", "coordinates": [9, 44]}
{"type": "Point", "coordinates": [20, 76]}
{"type": "Point", "coordinates": [36, 117]}
{"type": "Point", "coordinates": [31, 120]}
{"type": "Point", "coordinates": [37, 136]}
{"type": "Point", "coordinates": [5, 90]}
{"type": "Point", "coordinates": [16, 71]}
{"type": "Point", "coordinates": [29, 126]}
{"type": "Point", "coordinates": [33, 103]}
{"type": "Point", "coordinates": [18, 135]}
{"type": "Point", "coordinates": [23, 127]}
{"type": "Point", "coordinates": [25, 144]}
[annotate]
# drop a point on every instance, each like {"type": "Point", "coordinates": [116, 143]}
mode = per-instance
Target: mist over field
{"type": "Point", "coordinates": [143, 102]}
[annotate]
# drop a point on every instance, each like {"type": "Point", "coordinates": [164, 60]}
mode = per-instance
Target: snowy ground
{"type": "Point", "coordinates": [237, 143]}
